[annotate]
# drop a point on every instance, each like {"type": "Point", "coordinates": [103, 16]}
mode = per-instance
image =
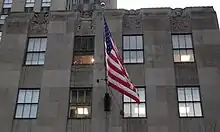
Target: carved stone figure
{"type": "Point", "coordinates": [132, 20]}
{"type": "Point", "coordinates": [38, 24]}
{"type": "Point", "coordinates": [85, 24]}
{"type": "Point", "coordinates": [180, 20]}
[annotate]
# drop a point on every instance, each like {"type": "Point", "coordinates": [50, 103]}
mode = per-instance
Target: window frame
{"type": "Point", "coordinates": [26, 52]}
{"type": "Point", "coordinates": [45, 8]}
{"type": "Point", "coordinates": [192, 102]}
{"type": "Point", "coordinates": [80, 104]}
{"type": "Point", "coordinates": [183, 49]}
{"type": "Point", "coordinates": [85, 52]}
{"type": "Point", "coordinates": [30, 118]}
{"type": "Point", "coordinates": [29, 9]}
{"type": "Point", "coordinates": [137, 50]}
{"type": "Point", "coordinates": [144, 102]}
{"type": "Point", "coordinates": [6, 2]}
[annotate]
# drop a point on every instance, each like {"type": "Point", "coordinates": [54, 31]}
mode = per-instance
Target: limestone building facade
{"type": "Point", "coordinates": [51, 56]}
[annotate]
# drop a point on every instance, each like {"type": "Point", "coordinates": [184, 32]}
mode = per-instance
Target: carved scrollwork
{"type": "Point", "coordinates": [38, 24]}
{"type": "Point", "coordinates": [180, 20]}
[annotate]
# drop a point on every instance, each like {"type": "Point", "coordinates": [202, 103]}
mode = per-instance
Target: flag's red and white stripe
{"type": "Point", "coordinates": [117, 75]}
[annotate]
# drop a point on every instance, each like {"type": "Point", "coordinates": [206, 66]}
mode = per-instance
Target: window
{"type": "Point", "coordinates": [45, 5]}
{"type": "Point", "coordinates": [189, 102]}
{"type": "Point", "coordinates": [7, 4]}
{"type": "Point", "coordinates": [27, 103]}
{"type": "Point", "coordinates": [29, 5]}
{"type": "Point", "coordinates": [133, 109]}
{"type": "Point", "coordinates": [36, 51]}
{"type": "Point", "coordinates": [182, 48]}
{"type": "Point", "coordinates": [80, 103]}
{"type": "Point", "coordinates": [83, 50]}
{"type": "Point", "coordinates": [133, 49]}
{"type": "Point", "coordinates": [2, 19]}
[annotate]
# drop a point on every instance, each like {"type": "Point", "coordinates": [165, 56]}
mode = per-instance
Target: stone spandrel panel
{"type": "Point", "coordinates": [132, 22]}
{"type": "Point", "coordinates": [180, 21]}
{"type": "Point", "coordinates": [186, 74]}
{"type": "Point", "coordinates": [38, 23]}
{"type": "Point", "coordinates": [17, 23]}
{"type": "Point", "coordinates": [84, 24]}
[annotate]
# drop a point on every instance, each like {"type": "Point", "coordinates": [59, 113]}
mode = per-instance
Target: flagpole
{"type": "Point", "coordinates": [107, 98]}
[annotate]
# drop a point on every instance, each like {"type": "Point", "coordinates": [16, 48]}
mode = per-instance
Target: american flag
{"type": "Point", "coordinates": [117, 76]}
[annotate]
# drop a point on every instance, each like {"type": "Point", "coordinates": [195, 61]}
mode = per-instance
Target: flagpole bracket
{"type": "Point", "coordinates": [101, 79]}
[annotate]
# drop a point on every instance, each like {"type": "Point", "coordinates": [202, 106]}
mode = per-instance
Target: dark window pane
{"type": "Point", "coordinates": [88, 96]}
{"type": "Point", "coordinates": [81, 96]}
{"type": "Point", "coordinates": [72, 112]}
{"type": "Point", "coordinates": [73, 96]}
{"type": "Point", "coordinates": [90, 45]}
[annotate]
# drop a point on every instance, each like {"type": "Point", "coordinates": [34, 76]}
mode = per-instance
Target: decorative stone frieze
{"type": "Point", "coordinates": [180, 20]}
{"type": "Point", "coordinates": [38, 23]}
{"type": "Point", "coordinates": [132, 20]}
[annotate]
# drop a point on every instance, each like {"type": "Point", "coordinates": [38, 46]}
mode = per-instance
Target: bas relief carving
{"type": "Point", "coordinates": [180, 20]}
{"type": "Point", "coordinates": [132, 20]}
{"type": "Point", "coordinates": [85, 23]}
{"type": "Point", "coordinates": [38, 24]}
